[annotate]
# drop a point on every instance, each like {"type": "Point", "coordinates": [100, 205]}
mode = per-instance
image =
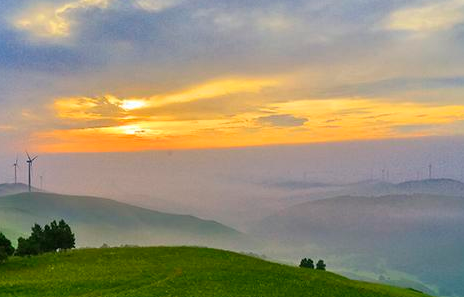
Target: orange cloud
{"type": "Point", "coordinates": [127, 124]}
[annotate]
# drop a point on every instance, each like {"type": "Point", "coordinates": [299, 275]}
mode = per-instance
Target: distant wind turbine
{"type": "Point", "coordinates": [16, 166]}
{"type": "Point", "coordinates": [29, 163]}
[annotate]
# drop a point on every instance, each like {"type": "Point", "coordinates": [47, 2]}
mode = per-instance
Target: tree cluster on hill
{"type": "Point", "coordinates": [53, 237]}
{"type": "Point", "coordinates": [309, 263]}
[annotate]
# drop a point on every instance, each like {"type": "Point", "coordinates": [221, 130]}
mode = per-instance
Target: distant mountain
{"type": "Point", "coordinates": [372, 188]}
{"type": "Point", "coordinates": [448, 187]}
{"type": "Point", "coordinates": [421, 235]}
{"type": "Point", "coordinates": [11, 189]}
{"type": "Point", "coordinates": [97, 221]}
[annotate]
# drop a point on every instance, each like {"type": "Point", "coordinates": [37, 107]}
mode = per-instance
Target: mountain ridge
{"type": "Point", "coordinates": [100, 221]}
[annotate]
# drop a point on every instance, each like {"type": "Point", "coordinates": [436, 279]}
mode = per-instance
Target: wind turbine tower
{"type": "Point", "coordinates": [29, 163]}
{"type": "Point", "coordinates": [16, 166]}
{"type": "Point", "coordinates": [430, 171]}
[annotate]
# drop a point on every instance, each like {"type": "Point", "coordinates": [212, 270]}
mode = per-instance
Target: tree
{"type": "Point", "coordinates": [307, 263]}
{"type": "Point", "coordinates": [320, 265]}
{"type": "Point", "coordinates": [67, 240]}
{"type": "Point", "coordinates": [37, 238]}
{"type": "Point", "coordinates": [51, 238]}
{"type": "Point", "coordinates": [3, 255]}
{"type": "Point", "coordinates": [6, 245]}
{"type": "Point", "coordinates": [27, 247]}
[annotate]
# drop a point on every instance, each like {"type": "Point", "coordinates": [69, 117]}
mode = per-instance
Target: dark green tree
{"type": "Point", "coordinates": [3, 255]}
{"type": "Point", "coordinates": [67, 239]}
{"type": "Point", "coordinates": [27, 247]}
{"type": "Point", "coordinates": [37, 238]}
{"type": "Point", "coordinates": [320, 265]}
{"type": "Point", "coordinates": [6, 245]}
{"type": "Point", "coordinates": [51, 238]}
{"type": "Point", "coordinates": [307, 263]}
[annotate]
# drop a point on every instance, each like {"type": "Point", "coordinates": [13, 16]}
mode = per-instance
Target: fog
{"type": "Point", "coordinates": [236, 186]}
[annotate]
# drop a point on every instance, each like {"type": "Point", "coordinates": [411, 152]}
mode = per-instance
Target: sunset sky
{"type": "Point", "coordinates": [128, 75]}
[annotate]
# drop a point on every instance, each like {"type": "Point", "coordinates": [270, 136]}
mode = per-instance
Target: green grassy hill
{"type": "Point", "coordinates": [165, 271]}
{"type": "Point", "coordinates": [97, 221]}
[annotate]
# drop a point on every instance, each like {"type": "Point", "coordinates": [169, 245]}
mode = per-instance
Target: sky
{"type": "Point", "coordinates": [132, 75]}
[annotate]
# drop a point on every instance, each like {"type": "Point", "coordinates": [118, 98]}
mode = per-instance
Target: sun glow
{"type": "Point", "coordinates": [132, 104]}
{"type": "Point", "coordinates": [113, 124]}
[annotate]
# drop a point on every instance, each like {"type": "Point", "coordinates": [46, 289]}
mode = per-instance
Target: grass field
{"type": "Point", "coordinates": [164, 271]}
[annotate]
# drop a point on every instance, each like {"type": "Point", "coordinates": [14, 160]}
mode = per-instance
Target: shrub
{"type": "Point", "coordinates": [307, 263]}
{"type": "Point", "coordinates": [320, 265]}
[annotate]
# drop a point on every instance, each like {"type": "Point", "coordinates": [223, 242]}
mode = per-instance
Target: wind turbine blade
{"type": "Point", "coordinates": [34, 159]}
{"type": "Point", "coordinates": [29, 157]}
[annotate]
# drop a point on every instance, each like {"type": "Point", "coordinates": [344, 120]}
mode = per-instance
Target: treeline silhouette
{"type": "Point", "coordinates": [309, 263]}
{"type": "Point", "coordinates": [51, 238]}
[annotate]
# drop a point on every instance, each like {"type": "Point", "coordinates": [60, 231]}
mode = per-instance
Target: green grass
{"type": "Point", "coordinates": [165, 271]}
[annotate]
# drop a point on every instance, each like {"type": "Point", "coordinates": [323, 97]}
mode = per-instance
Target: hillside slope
{"type": "Point", "coordinates": [97, 221]}
{"type": "Point", "coordinates": [146, 272]}
{"type": "Point", "coordinates": [11, 189]}
{"type": "Point", "coordinates": [417, 234]}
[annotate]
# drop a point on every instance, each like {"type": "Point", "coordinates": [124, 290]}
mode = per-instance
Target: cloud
{"type": "Point", "coordinates": [55, 22]}
{"type": "Point", "coordinates": [143, 69]}
{"type": "Point", "coordinates": [282, 120]}
{"type": "Point", "coordinates": [157, 5]}
{"type": "Point", "coordinates": [103, 109]}
{"type": "Point", "coordinates": [398, 85]}
{"type": "Point", "coordinates": [431, 17]}
{"type": "Point", "coordinates": [46, 20]}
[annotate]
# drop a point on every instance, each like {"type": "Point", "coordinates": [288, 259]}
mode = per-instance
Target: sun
{"type": "Point", "coordinates": [133, 104]}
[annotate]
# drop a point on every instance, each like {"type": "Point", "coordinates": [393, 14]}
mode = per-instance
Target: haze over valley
{"type": "Point", "coordinates": [336, 200]}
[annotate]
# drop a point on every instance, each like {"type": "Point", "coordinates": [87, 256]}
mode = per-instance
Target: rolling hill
{"type": "Point", "coordinates": [416, 234]}
{"type": "Point", "coordinates": [11, 189]}
{"type": "Point", "coordinates": [164, 271]}
{"type": "Point", "coordinates": [97, 221]}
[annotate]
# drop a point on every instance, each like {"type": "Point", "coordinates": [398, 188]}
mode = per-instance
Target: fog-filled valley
{"type": "Point", "coordinates": [376, 210]}
{"type": "Point", "coordinates": [242, 185]}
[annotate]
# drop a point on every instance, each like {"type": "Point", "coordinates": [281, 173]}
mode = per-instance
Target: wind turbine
{"type": "Point", "coordinates": [29, 163]}
{"type": "Point", "coordinates": [16, 166]}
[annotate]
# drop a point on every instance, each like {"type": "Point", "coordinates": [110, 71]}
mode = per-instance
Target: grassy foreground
{"type": "Point", "coordinates": [165, 271]}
